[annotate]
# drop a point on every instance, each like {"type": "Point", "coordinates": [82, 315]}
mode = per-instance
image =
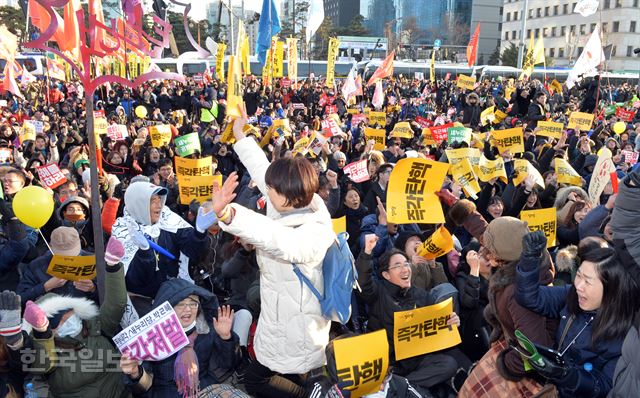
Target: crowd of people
{"type": "Point", "coordinates": [225, 265]}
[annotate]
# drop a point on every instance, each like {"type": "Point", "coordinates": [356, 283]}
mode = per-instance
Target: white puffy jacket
{"type": "Point", "coordinates": [292, 333]}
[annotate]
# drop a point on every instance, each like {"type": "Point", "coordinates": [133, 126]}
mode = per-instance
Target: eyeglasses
{"type": "Point", "coordinates": [404, 265]}
{"type": "Point", "coordinates": [192, 305]}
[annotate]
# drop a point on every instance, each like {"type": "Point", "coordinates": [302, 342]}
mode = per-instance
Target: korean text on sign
{"type": "Point", "coordinates": [424, 330]}
{"type": "Point", "coordinates": [117, 132]}
{"type": "Point", "coordinates": [73, 268]}
{"type": "Point", "coordinates": [154, 337]}
{"type": "Point", "coordinates": [199, 188]}
{"type": "Point", "coordinates": [379, 118]}
{"type": "Point", "coordinates": [187, 144]}
{"type": "Point", "coordinates": [411, 194]}
{"type": "Point", "coordinates": [160, 135]}
{"type": "Point", "coordinates": [580, 120]}
{"type": "Point", "coordinates": [438, 244]}
{"type": "Point", "coordinates": [544, 220]}
{"type": "Point", "coordinates": [377, 135]}
{"type": "Point", "coordinates": [362, 371]}
{"type": "Point", "coordinates": [357, 171]}
{"type": "Point", "coordinates": [511, 140]}
{"type": "Point", "coordinates": [466, 82]}
{"type": "Point", "coordinates": [193, 167]}
{"type": "Point", "coordinates": [550, 129]}
{"type": "Point", "coordinates": [51, 176]}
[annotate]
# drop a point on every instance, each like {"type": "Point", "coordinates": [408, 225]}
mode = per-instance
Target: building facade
{"type": "Point", "coordinates": [341, 12]}
{"type": "Point", "coordinates": [565, 33]}
{"type": "Point", "coordinates": [487, 13]}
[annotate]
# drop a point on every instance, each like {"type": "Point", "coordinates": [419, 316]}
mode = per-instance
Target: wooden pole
{"type": "Point", "coordinates": [96, 218]}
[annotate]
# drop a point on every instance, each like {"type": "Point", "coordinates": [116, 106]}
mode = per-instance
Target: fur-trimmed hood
{"type": "Point", "coordinates": [55, 306]}
{"type": "Point", "coordinates": [566, 259]}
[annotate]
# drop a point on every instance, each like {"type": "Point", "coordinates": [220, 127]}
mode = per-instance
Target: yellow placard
{"type": "Point", "coordinates": [542, 220]}
{"type": "Point", "coordinates": [378, 135]}
{"type": "Point", "coordinates": [278, 65]}
{"type": "Point", "coordinates": [362, 370]}
{"type": "Point", "coordinates": [463, 174]}
{"type": "Point", "coordinates": [466, 82]}
{"type": "Point", "coordinates": [499, 116]}
{"type": "Point", "coordinates": [379, 118]}
{"type": "Point", "coordinates": [339, 224]}
{"type": "Point", "coordinates": [28, 133]}
{"type": "Point", "coordinates": [300, 147]}
{"type": "Point", "coordinates": [523, 169]}
{"type": "Point", "coordinates": [424, 330]}
{"type": "Point", "coordinates": [508, 92]}
{"type": "Point", "coordinates": [227, 136]}
{"type": "Point", "coordinates": [566, 174]}
{"type": "Point", "coordinates": [427, 138]}
{"type": "Point", "coordinates": [411, 192]}
{"type": "Point", "coordinates": [402, 130]}
{"type": "Point", "coordinates": [557, 87]}
{"type": "Point", "coordinates": [488, 169]}
{"type": "Point", "coordinates": [73, 268]}
{"type": "Point", "coordinates": [456, 155]}
{"type": "Point", "coordinates": [438, 244]}
{"type": "Point", "coordinates": [160, 135]}
{"type": "Point", "coordinates": [199, 188]}
{"type": "Point", "coordinates": [193, 167]}
{"type": "Point", "coordinates": [220, 60]}
{"type": "Point", "coordinates": [488, 115]}
{"type": "Point", "coordinates": [332, 52]}
{"type": "Point", "coordinates": [292, 56]}
{"type": "Point", "coordinates": [580, 121]}
{"type": "Point", "coordinates": [550, 129]}
{"type": "Point", "coordinates": [352, 111]}
{"type": "Point", "coordinates": [510, 139]}
{"type": "Point", "coordinates": [100, 125]}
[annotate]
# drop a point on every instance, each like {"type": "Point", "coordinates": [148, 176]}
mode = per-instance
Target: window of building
{"type": "Point", "coordinates": [531, 13]}
{"type": "Point", "coordinates": [539, 12]}
{"type": "Point", "coordinates": [573, 29]}
{"type": "Point", "coordinates": [552, 52]}
{"type": "Point", "coordinates": [537, 32]}
{"type": "Point", "coordinates": [528, 33]}
{"type": "Point", "coordinates": [573, 6]}
{"type": "Point", "coordinates": [635, 3]}
{"type": "Point", "coordinates": [515, 15]}
{"type": "Point", "coordinates": [565, 9]}
{"type": "Point", "coordinates": [563, 30]}
{"type": "Point", "coordinates": [508, 16]}
{"type": "Point", "coordinates": [583, 29]}
{"type": "Point", "coordinates": [514, 34]}
{"type": "Point", "coordinates": [580, 50]}
{"type": "Point", "coordinates": [607, 4]}
{"type": "Point", "coordinates": [632, 28]}
{"type": "Point", "coordinates": [616, 26]}
{"type": "Point", "coordinates": [555, 10]}
{"type": "Point", "coordinates": [613, 51]}
{"type": "Point", "coordinates": [553, 31]}
{"type": "Point", "coordinates": [629, 51]}
{"type": "Point", "coordinates": [592, 27]}
{"type": "Point", "coordinates": [546, 11]}
{"type": "Point", "coordinates": [618, 3]}
{"type": "Point", "coordinates": [544, 32]}
{"type": "Point", "coordinates": [506, 35]}
{"type": "Point", "coordinates": [561, 53]}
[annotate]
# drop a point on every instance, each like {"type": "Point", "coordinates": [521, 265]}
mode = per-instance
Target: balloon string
{"type": "Point", "coordinates": [45, 241]}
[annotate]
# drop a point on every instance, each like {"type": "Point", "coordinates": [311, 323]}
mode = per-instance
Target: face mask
{"type": "Point", "coordinates": [71, 327]}
{"type": "Point", "coordinates": [74, 217]}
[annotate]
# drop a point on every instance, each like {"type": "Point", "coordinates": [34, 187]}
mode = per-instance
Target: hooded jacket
{"type": "Point", "coordinates": [209, 347]}
{"type": "Point", "coordinates": [145, 270]}
{"type": "Point", "coordinates": [292, 333]}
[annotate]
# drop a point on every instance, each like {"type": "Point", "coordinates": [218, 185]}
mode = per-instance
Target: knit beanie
{"type": "Point", "coordinates": [503, 237]}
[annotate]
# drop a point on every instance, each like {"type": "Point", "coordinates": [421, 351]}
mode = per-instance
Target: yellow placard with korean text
{"type": "Point", "coordinates": [438, 244]}
{"type": "Point", "coordinates": [411, 192]}
{"type": "Point", "coordinates": [353, 111]}
{"type": "Point", "coordinates": [193, 167]}
{"type": "Point", "coordinates": [427, 138]}
{"type": "Point", "coordinates": [462, 173]}
{"type": "Point", "coordinates": [523, 169]}
{"type": "Point", "coordinates": [456, 155]}
{"type": "Point", "coordinates": [466, 82]}
{"type": "Point", "coordinates": [379, 118]}
{"type": "Point", "coordinates": [510, 139]}
{"type": "Point", "coordinates": [544, 220]}
{"type": "Point", "coordinates": [402, 130]}
{"type": "Point", "coordinates": [220, 60]}
{"type": "Point", "coordinates": [499, 116]}
{"type": "Point", "coordinates": [424, 330]}
{"type": "Point", "coordinates": [301, 146]}
{"type": "Point", "coordinates": [100, 125]}
{"type": "Point", "coordinates": [160, 135]}
{"type": "Point", "coordinates": [199, 188]}
{"type": "Point", "coordinates": [27, 133]}
{"type": "Point", "coordinates": [488, 115]}
{"type": "Point", "coordinates": [488, 169]}
{"type": "Point", "coordinates": [580, 121]}
{"type": "Point", "coordinates": [378, 135]}
{"type": "Point", "coordinates": [339, 224]}
{"type": "Point", "coordinates": [550, 129]}
{"type": "Point", "coordinates": [73, 268]}
{"type": "Point", "coordinates": [278, 65]}
{"type": "Point", "coordinates": [566, 174]}
{"type": "Point", "coordinates": [362, 371]}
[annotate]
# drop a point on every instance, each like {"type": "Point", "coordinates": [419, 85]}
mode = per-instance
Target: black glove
{"type": "Point", "coordinates": [551, 370]}
{"type": "Point", "coordinates": [533, 244]}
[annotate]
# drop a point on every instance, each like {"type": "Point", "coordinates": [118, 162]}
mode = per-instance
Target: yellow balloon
{"type": "Point", "coordinates": [33, 206]}
{"type": "Point", "coordinates": [141, 111]}
{"type": "Point", "coordinates": [619, 127]}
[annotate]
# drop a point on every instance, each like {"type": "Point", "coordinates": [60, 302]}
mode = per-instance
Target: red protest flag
{"type": "Point", "coordinates": [472, 48]}
{"type": "Point", "coordinates": [384, 70]}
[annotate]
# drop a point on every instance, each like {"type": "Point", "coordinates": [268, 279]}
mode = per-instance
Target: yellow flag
{"type": "Point", "coordinates": [242, 48]}
{"type": "Point", "coordinates": [566, 174]}
{"type": "Point", "coordinates": [432, 69]}
{"type": "Point", "coordinates": [334, 43]}
{"type": "Point", "coordinates": [438, 244]}
{"type": "Point", "coordinates": [463, 174]}
{"type": "Point", "coordinates": [278, 65]}
{"type": "Point", "coordinates": [424, 330]}
{"type": "Point", "coordinates": [220, 60]}
{"type": "Point", "coordinates": [362, 371]}
{"type": "Point", "coordinates": [488, 169]}
{"type": "Point", "coordinates": [527, 61]}
{"type": "Point", "coordinates": [544, 220]}
{"type": "Point", "coordinates": [411, 192]}
{"type": "Point", "coordinates": [292, 57]}
{"type": "Point", "coordinates": [538, 52]}
{"type": "Point", "coordinates": [557, 87]}
{"type": "Point", "coordinates": [234, 87]}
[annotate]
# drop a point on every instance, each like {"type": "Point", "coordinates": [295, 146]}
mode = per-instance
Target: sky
{"type": "Point", "coordinates": [199, 7]}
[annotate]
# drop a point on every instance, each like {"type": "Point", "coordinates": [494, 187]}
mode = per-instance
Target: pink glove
{"type": "Point", "coordinates": [447, 197]}
{"type": "Point", "coordinates": [36, 317]}
{"type": "Point", "coordinates": [114, 252]}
